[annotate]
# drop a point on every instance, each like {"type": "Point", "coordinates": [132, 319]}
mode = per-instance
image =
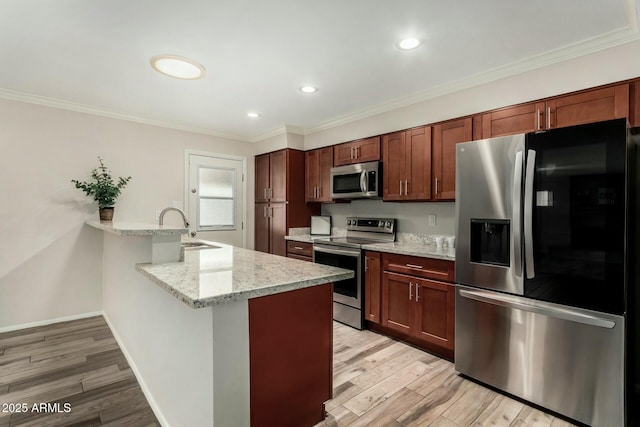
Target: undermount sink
{"type": "Point", "coordinates": [198, 245]}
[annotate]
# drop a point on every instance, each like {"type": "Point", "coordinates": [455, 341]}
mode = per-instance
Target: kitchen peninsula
{"type": "Point", "coordinates": [228, 336]}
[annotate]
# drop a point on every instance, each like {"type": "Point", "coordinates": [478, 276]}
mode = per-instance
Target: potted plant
{"type": "Point", "coordinates": [103, 189]}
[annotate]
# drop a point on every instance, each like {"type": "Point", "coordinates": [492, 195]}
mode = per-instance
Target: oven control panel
{"type": "Point", "coordinates": [379, 225]}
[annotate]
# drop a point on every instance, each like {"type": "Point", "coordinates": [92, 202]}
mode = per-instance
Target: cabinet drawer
{"type": "Point", "coordinates": [300, 248]}
{"type": "Point", "coordinates": [420, 267]}
{"type": "Point", "coordinates": [300, 257]}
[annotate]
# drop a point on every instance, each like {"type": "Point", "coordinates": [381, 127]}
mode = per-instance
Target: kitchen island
{"type": "Point", "coordinates": [229, 336]}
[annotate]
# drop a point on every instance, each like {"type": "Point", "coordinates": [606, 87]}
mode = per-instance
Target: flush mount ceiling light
{"type": "Point", "coordinates": [253, 115]}
{"type": "Point", "coordinates": [178, 67]}
{"type": "Point", "coordinates": [408, 43]}
{"type": "Point", "coordinates": [308, 89]}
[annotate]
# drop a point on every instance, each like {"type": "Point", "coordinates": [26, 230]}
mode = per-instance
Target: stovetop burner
{"type": "Point", "coordinates": [362, 231]}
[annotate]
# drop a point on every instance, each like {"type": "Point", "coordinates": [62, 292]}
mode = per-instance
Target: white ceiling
{"type": "Point", "coordinates": [93, 55]}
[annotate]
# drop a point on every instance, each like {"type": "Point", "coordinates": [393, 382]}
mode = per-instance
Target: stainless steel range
{"type": "Point", "coordinates": [346, 252]}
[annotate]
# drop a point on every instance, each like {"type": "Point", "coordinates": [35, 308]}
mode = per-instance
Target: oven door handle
{"type": "Point", "coordinates": [337, 251]}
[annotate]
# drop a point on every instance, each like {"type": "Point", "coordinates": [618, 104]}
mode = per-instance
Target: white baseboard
{"type": "Point", "coordinates": [50, 321]}
{"type": "Point", "coordinates": [145, 390]}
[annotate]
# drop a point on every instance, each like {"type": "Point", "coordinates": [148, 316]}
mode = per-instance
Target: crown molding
{"type": "Point", "coordinates": [81, 108]}
{"type": "Point", "coordinates": [584, 47]}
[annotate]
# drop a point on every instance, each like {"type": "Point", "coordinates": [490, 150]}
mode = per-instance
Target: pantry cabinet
{"type": "Point", "coordinates": [588, 106]}
{"type": "Point", "coordinates": [445, 137]}
{"type": "Point", "coordinates": [359, 151]}
{"type": "Point", "coordinates": [280, 199]}
{"type": "Point", "coordinates": [407, 165]}
{"type": "Point", "coordinates": [318, 165]}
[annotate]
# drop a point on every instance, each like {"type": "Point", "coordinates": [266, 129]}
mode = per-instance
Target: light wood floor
{"type": "Point", "coordinates": [78, 363]}
{"type": "Point", "coordinates": [381, 382]}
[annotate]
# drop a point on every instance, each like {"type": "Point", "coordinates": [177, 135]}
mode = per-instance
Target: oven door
{"type": "Point", "coordinates": [349, 291]}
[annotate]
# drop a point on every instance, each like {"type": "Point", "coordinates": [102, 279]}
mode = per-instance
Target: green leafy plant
{"type": "Point", "coordinates": [103, 188]}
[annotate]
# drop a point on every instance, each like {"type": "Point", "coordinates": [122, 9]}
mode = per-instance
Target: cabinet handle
{"type": "Point", "coordinates": [357, 152]}
{"type": "Point", "coordinates": [297, 247]}
{"type": "Point", "coordinates": [366, 263]}
{"type": "Point", "coordinates": [264, 212]}
{"type": "Point", "coordinates": [406, 187]}
{"type": "Point", "coordinates": [265, 193]}
{"type": "Point", "coordinates": [436, 186]}
{"type": "Point", "coordinates": [414, 266]}
{"type": "Point", "coordinates": [417, 293]}
{"type": "Point", "coordinates": [351, 153]}
{"type": "Point", "coordinates": [410, 294]}
{"type": "Point", "coordinates": [538, 120]}
{"type": "Point", "coordinates": [548, 117]}
{"type": "Point", "coordinates": [401, 187]}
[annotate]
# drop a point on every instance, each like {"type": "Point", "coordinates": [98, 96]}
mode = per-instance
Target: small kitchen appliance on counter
{"type": "Point", "coordinates": [346, 252]}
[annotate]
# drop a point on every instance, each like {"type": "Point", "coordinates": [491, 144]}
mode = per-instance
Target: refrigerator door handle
{"type": "Point", "coordinates": [528, 214]}
{"type": "Point", "coordinates": [539, 308]}
{"type": "Point", "coordinates": [517, 214]}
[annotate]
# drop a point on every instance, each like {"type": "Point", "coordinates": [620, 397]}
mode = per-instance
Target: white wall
{"type": "Point", "coordinates": [50, 264]}
{"type": "Point", "coordinates": [607, 66]}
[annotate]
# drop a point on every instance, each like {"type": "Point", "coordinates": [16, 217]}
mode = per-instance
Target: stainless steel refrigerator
{"type": "Point", "coordinates": [542, 267]}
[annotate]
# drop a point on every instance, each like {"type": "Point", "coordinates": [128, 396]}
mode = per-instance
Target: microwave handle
{"type": "Point", "coordinates": [363, 182]}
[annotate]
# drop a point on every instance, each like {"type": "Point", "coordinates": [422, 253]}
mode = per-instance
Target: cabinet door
{"type": "Point", "coordinates": [312, 175]}
{"type": "Point", "coordinates": [519, 119]}
{"type": "Point", "coordinates": [397, 301]}
{"type": "Point", "coordinates": [418, 164]}
{"type": "Point", "coordinates": [278, 228]}
{"type": "Point", "coordinates": [372, 289]}
{"type": "Point", "coordinates": [634, 104]}
{"type": "Point", "coordinates": [393, 157]}
{"type": "Point", "coordinates": [435, 312]}
{"type": "Point", "coordinates": [445, 137]}
{"type": "Point", "coordinates": [588, 107]}
{"type": "Point", "coordinates": [324, 181]}
{"type": "Point", "coordinates": [262, 229]}
{"type": "Point", "coordinates": [367, 150]}
{"type": "Point", "coordinates": [278, 175]}
{"type": "Point", "coordinates": [343, 154]}
{"type": "Point", "coordinates": [262, 178]}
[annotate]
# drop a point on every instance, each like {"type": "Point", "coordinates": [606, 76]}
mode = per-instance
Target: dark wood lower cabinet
{"type": "Point", "coordinates": [412, 307]}
{"type": "Point", "coordinates": [291, 351]}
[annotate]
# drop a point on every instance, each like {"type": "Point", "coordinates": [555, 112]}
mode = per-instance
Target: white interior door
{"type": "Point", "coordinates": [216, 198]}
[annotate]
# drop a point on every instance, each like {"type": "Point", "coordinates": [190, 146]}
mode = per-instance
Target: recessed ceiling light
{"type": "Point", "coordinates": [253, 115]}
{"type": "Point", "coordinates": [178, 67]}
{"type": "Point", "coordinates": [308, 89]}
{"type": "Point", "coordinates": [409, 43]}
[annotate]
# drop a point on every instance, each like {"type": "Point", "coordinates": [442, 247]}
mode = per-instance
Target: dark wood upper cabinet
{"type": "Point", "coordinates": [263, 178]}
{"type": "Point", "coordinates": [359, 151]}
{"type": "Point", "coordinates": [445, 137]}
{"type": "Point", "coordinates": [407, 165]}
{"type": "Point", "coordinates": [511, 120]}
{"type": "Point", "coordinates": [634, 103]}
{"type": "Point", "coordinates": [588, 106]}
{"type": "Point", "coordinates": [318, 164]}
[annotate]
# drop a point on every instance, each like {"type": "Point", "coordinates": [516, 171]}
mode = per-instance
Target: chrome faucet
{"type": "Point", "coordinates": [165, 210]}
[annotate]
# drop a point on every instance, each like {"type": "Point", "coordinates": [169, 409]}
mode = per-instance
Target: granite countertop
{"type": "Point", "coordinates": [413, 248]}
{"type": "Point", "coordinates": [136, 228]}
{"type": "Point", "coordinates": [217, 276]}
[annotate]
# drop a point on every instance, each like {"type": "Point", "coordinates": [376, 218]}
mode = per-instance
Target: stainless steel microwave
{"type": "Point", "coordinates": [358, 181]}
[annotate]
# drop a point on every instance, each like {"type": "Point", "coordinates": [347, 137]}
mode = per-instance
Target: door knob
{"type": "Point", "coordinates": [193, 234]}
{"type": "Point", "coordinates": [193, 190]}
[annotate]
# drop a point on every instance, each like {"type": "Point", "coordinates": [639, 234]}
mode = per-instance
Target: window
{"type": "Point", "coordinates": [216, 198]}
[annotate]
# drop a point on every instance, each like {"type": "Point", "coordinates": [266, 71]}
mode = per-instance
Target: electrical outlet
{"type": "Point", "coordinates": [432, 220]}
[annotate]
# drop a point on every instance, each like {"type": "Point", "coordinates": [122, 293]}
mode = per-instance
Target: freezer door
{"type": "Point", "coordinates": [568, 360]}
{"type": "Point", "coordinates": [489, 191]}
